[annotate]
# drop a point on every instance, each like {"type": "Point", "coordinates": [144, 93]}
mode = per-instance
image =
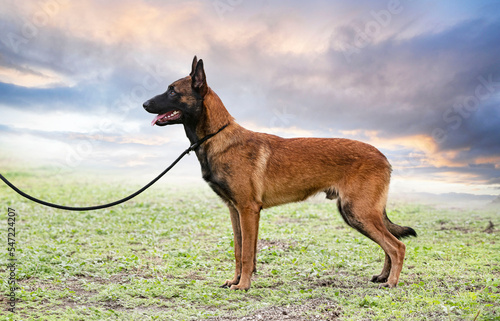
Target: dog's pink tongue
{"type": "Point", "coordinates": [158, 117]}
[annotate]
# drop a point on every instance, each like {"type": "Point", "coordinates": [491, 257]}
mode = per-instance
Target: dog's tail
{"type": "Point", "coordinates": [398, 231]}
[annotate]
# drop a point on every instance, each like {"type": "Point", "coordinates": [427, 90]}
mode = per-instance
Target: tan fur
{"type": "Point", "coordinates": [270, 170]}
{"type": "Point", "coordinates": [252, 171]}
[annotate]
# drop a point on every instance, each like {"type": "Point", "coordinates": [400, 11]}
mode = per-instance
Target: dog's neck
{"type": "Point", "coordinates": [214, 117]}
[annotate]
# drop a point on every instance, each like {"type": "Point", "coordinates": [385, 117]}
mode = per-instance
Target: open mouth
{"type": "Point", "coordinates": [163, 119]}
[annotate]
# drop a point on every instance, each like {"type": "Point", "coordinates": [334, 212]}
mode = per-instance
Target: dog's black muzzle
{"type": "Point", "coordinates": [149, 106]}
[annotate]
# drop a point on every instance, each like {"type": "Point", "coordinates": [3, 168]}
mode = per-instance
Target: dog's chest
{"type": "Point", "coordinates": [216, 175]}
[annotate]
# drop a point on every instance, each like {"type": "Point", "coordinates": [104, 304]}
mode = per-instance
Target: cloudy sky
{"type": "Point", "coordinates": [420, 80]}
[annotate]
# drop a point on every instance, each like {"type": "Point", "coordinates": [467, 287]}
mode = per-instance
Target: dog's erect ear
{"type": "Point", "coordinates": [199, 81]}
{"type": "Point", "coordinates": [193, 66]}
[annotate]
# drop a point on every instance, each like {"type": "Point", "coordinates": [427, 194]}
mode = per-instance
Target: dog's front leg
{"type": "Point", "coordinates": [249, 222]}
{"type": "Point", "coordinates": [235, 221]}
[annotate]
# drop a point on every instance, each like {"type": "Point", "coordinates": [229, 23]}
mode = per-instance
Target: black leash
{"type": "Point", "coordinates": [98, 207]}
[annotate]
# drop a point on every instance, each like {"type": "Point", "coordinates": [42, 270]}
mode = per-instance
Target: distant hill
{"type": "Point", "coordinates": [458, 199]}
{"type": "Point", "coordinates": [465, 197]}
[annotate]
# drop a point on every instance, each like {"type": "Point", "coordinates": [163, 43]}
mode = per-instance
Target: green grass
{"type": "Point", "coordinates": [163, 256]}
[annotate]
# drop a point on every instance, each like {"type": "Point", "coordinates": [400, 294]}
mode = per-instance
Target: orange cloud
{"type": "Point", "coordinates": [40, 78]}
{"type": "Point", "coordinates": [422, 147]}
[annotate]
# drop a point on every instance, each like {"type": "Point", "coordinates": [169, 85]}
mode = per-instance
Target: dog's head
{"type": "Point", "coordinates": [182, 103]}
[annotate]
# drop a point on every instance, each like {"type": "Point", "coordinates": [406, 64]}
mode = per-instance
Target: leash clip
{"type": "Point", "coordinates": [192, 147]}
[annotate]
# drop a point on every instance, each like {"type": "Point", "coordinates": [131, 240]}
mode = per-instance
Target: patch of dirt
{"type": "Point", "coordinates": [72, 284]}
{"type": "Point", "coordinates": [288, 220]}
{"type": "Point", "coordinates": [453, 228]}
{"type": "Point", "coordinates": [315, 309]}
{"type": "Point", "coordinates": [489, 229]}
{"type": "Point", "coordinates": [195, 276]}
{"type": "Point", "coordinates": [79, 296]}
{"type": "Point", "coordinates": [460, 229]}
{"type": "Point", "coordinates": [4, 302]}
{"type": "Point", "coordinates": [343, 285]}
{"type": "Point", "coordinates": [262, 244]}
{"type": "Point", "coordinates": [335, 284]}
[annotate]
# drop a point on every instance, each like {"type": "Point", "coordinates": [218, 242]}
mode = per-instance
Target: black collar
{"type": "Point", "coordinates": [197, 144]}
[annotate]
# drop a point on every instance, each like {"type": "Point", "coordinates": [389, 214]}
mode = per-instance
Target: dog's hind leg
{"type": "Point", "coordinates": [398, 232]}
{"type": "Point", "coordinates": [382, 277]}
{"type": "Point", "coordinates": [395, 250]}
{"type": "Point", "coordinates": [368, 220]}
{"type": "Point", "coordinates": [235, 221]}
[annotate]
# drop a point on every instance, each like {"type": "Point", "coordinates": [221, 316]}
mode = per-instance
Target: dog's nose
{"type": "Point", "coordinates": [148, 104]}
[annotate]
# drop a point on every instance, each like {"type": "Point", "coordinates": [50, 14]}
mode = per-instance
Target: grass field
{"type": "Point", "coordinates": [163, 256]}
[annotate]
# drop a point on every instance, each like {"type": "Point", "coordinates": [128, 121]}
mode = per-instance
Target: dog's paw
{"type": "Point", "coordinates": [240, 287]}
{"type": "Point", "coordinates": [387, 285]}
{"type": "Point", "coordinates": [379, 279]}
{"type": "Point", "coordinates": [230, 283]}
{"type": "Point", "coordinates": [226, 284]}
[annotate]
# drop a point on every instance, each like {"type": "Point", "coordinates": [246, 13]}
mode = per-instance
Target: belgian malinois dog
{"type": "Point", "coordinates": [252, 171]}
